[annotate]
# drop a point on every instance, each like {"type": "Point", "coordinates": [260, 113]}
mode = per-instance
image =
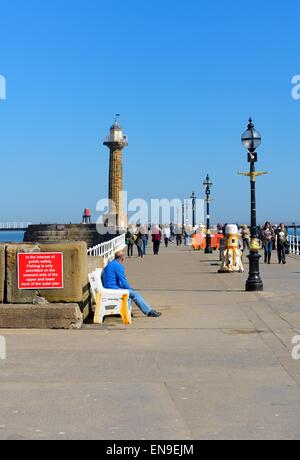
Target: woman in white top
{"type": "Point", "coordinates": [166, 235]}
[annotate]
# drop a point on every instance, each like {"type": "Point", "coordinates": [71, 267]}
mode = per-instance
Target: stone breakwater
{"type": "Point", "coordinates": [57, 233]}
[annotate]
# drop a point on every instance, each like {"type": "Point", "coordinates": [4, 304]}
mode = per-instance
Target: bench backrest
{"type": "Point", "coordinates": [96, 281]}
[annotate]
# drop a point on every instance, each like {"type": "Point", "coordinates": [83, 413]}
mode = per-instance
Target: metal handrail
{"type": "Point", "coordinates": [124, 140]}
{"type": "Point", "coordinates": [294, 244]}
{"type": "Point", "coordinates": [109, 248]}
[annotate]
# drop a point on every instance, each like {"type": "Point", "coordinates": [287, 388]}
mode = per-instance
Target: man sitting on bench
{"type": "Point", "coordinates": [114, 278]}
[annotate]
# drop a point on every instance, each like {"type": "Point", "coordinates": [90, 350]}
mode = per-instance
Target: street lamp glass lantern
{"type": "Point", "coordinates": [208, 183]}
{"type": "Point", "coordinates": [251, 139]}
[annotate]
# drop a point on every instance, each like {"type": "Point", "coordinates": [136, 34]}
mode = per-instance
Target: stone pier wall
{"type": "Point", "coordinates": [58, 233]}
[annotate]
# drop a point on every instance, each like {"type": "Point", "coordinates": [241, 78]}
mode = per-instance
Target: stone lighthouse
{"type": "Point", "coordinates": [116, 141]}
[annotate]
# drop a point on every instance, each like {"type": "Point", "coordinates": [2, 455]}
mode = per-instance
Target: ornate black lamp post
{"type": "Point", "coordinates": [193, 198]}
{"type": "Point", "coordinates": [208, 184]}
{"type": "Point", "coordinates": [251, 140]}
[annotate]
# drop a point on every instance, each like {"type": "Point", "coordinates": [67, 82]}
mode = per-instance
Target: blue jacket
{"type": "Point", "coordinates": [114, 276]}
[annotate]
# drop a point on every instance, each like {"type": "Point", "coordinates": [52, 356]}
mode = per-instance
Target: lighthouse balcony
{"type": "Point", "coordinates": [117, 141]}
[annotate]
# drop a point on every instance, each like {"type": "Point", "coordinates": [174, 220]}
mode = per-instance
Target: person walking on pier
{"type": "Point", "coordinates": [156, 239]}
{"type": "Point", "coordinates": [145, 237]}
{"type": "Point", "coordinates": [282, 238]}
{"type": "Point", "coordinates": [139, 244]}
{"type": "Point", "coordinates": [268, 236]}
{"type": "Point", "coordinates": [166, 235]}
{"type": "Point", "coordinates": [178, 234]}
{"type": "Point", "coordinates": [114, 278]}
{"type": "Point", "coordinates": [172, 233]}
{"type": "Point", "coordinates": [245, 234]}
{"type": "Point", "coordinates": [129, 243]}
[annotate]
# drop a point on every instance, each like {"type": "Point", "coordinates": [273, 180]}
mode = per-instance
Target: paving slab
{"type": "Point", "coordinates": [216, 365]}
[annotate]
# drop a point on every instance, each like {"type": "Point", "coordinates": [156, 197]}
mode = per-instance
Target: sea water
{"type": "Point", "coordinates": [292, 231]}
{"type": "Point", "coordinates": [11, 237]}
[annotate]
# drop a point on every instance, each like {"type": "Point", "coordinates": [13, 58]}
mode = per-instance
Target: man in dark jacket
{"type": "Point", "coordinates": [282, 238]}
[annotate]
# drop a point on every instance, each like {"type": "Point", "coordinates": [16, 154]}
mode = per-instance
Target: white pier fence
{"type": "Point", "coordinates": [108, 249]}
{"type": "Point", "coordinates": [14, 225]}
{"type": "Point", "coordinates": [294, 241]}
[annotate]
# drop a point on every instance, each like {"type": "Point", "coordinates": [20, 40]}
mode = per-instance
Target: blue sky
{"type": "Point", "coordinates": [185, 76]}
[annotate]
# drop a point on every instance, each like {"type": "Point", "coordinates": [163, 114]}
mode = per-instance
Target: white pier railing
{"type": "Point", "coordinates": [108, 249]}
{"type": "Point", "coordinates": [14, 225]}
{"type": "Point", "coordinates": [294, 241]}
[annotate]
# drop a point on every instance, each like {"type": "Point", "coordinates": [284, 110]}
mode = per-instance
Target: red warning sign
{"type": "Point", "coordinates": [40, 270]}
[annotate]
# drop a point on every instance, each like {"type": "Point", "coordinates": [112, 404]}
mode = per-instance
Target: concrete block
{"type": "Point", "coordinates": [94, 263]}
{"type": "Point", "coordinates": [13, 294]}
{"type": "Point", "coordinates": [2, 271]}
{"type": "Point", "coordinates": [76, 285]}
{"type": "Point", "coordinates": [50, 316]}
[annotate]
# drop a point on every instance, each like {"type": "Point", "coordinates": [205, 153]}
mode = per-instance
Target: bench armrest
{"type": "Point", "coordinates": [115, 292]}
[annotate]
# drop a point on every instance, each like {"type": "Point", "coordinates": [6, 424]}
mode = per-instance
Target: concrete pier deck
{"type": "Point", "coordinates": [216, 365]}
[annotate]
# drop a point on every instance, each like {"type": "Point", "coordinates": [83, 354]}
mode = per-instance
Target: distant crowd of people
{"type": "Point", "coordinates": [139, 236]}
{"type": "Point", "coordinates": [271, 237]}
